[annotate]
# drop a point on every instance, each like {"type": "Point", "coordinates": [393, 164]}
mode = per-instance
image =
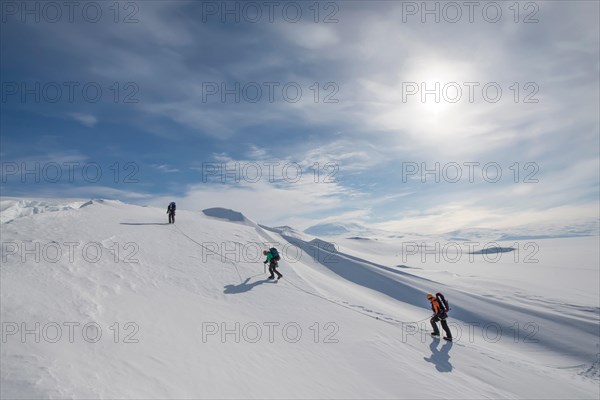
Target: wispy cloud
{"type": "Point", "coordinates": [166, 168]}
{"type": "Point", "coordinates": [364, 62]}
{"type": "Point", "coordinates": [85, 119]}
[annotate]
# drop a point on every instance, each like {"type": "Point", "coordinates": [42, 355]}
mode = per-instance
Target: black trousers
{"type": "Point", "coordinates": [171, 218]}
{"type": "Point", "coordinates": [445, 327]}
{"type": "Point", "coordinates": [273, 269]}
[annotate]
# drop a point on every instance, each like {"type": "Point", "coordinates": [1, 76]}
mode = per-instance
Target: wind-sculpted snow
{"type": "Point", "coordinates": [11, 209]}
{"type": "Point", "coordinates": [228, 215]}
{"type": "Point", "coordinates": [493, 250]}
{"type": "Point", "coordinates": [187, 311]}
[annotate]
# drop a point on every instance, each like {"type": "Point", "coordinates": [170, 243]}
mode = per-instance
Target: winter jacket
{"type": "Point", "coordinates": [437, 310]}
{"type": "Point", "coordinates": [269, 257]}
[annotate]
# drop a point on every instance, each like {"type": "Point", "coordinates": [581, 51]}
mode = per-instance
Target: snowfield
{"type": "Point", "coordinates": [102, 299]}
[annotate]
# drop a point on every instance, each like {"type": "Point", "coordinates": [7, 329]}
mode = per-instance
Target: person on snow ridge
{"type": "Point", "coordinates": [439, 314]}
{"type": "Point", "coordinates": [272, 260]}
{"type": "Point", "coordinates": [171, 212]}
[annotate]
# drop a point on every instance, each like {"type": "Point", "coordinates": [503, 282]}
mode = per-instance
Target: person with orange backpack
{"type": "Point", "coordinates": [440, 308]}
{"type": "Point", "coordinates": [272, 258]}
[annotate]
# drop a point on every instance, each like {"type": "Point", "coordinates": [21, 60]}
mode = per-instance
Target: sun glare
{"type": "Point", "coordinates": [438, 84]}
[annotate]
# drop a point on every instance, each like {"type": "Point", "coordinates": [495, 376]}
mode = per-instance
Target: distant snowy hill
{"type": "Point", "coordinates": [334, 228]}
{"type": "Point", "coordinates": [102, 299]}
{"type": "Point", "coordinates": [357, 231]}
{"type": "Point", "coordinates": [540, 231]}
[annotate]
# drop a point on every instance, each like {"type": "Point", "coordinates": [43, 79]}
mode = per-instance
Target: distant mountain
{"type": "Point", "coordinates": [335, 229]}
{"type": "Point", "coordinates": [528, 232]}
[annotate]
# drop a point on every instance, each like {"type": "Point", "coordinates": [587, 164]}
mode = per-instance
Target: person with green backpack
{"type": "Point", "coordinates": [272, 258]}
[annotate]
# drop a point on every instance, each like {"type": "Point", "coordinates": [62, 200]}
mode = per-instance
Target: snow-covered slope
{"type": "Point", "coordinates": [128, 306]}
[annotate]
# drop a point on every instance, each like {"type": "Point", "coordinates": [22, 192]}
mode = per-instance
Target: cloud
{"type": "Point", "coordinates": [310, 36]}
{"type": "Point", "coordinates": [85, 119]}
{"type": "Point", "coordinates": [267, 190]}
{"type": "Point", "coordinates": [450, 217]}
{"type": "Point", "coordinates": [348, 155]}
{"type": "Point", "coordinates": [262, 201]}
{"type": "Point", "coordinates": [166, 168]}
{"type": "Point", "coordinates": [256, 153]}
{"type": "Point", "coordinates": [368, 57]}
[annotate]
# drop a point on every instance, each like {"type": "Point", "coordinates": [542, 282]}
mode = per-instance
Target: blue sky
{"type": "Point", "coordinates": [161, 116]}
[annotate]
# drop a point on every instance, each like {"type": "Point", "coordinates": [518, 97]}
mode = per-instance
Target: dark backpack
{"type": "Point", "coordinates": [172, 206]}
{"type": "Point", "coordinates": [442, 301]}
{"type": "Point", "coordinates": [274, 254]}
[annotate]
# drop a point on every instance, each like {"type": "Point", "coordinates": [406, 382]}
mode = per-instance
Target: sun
{"type": "Point", "coordinates": [436, 88]}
